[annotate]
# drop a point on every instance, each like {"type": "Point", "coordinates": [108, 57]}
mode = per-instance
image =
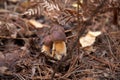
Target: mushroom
{"type": "Point", "coordinates": [54, 44]}
{"type": "Point", "coordinates": [47, 44]}
{"type": "Point", "coordinates": [59, 47]}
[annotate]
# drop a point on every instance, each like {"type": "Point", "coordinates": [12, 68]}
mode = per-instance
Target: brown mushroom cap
{"type": "Point", "coordinates": [58, 36]}
{"type": "Point", "coordinates": [47, 41]}
{"type": "Point", "coordinates": [57, 33]}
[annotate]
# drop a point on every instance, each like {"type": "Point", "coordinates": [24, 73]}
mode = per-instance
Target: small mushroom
{"type": "Point", "coordinates": [47, 44]}
{"type": "Point", "coordinates": [54, 44]}
{"type": "Point", "coordinates": [59, 46]}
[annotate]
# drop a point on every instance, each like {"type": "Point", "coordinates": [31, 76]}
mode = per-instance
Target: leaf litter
{"type": "Point", "coordinates": [21, 40]}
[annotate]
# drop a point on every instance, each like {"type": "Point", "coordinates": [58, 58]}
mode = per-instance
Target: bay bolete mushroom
{"type": "Point", "coordinates": [59, 45]}
{"type": "Point", "coordinates": [54, 44]}
{"type": "Point", "coordinates": [47, 44]}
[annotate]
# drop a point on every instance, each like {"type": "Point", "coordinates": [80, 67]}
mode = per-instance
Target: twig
{"type": "Point", "coordinates": [101, 60]}
{"type": "Point", "coordinates": [72, 67]}
{"type": "Point", "coordinates": [7, 76]}
{"type": "Point", "coordinates": [71, 36]}
{"type": "Point", "coordinates": [109, 45]}
{"type": "Point", "coordinates": [5, 37]}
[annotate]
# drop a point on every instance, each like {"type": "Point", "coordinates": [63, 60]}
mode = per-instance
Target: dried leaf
{"type": "Point", "coordinates": [36, 24]}
{"type": "Point", "coordinates": [3, 69]}
{"type": "Point", "coordinates": [89, 39]}
{"type": "Point", "coordinates": [75, 4]}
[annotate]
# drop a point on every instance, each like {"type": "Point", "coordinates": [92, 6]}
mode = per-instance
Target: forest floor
{"type": "Point", "coordinates": [22, 33]}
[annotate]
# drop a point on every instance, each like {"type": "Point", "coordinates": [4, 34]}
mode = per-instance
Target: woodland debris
{"type": "Point", "coordinates": [30, 50]}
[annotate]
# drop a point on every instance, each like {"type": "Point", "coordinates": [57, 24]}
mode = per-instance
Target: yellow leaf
{"type": "Point", "coordinates": [89, 38]}
{"type": "Point", "coordinates": [75, 4]}
{"type": "Point", "coordinates": [35, 23]}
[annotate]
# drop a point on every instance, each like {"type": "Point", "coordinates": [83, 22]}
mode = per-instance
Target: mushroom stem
{"type": "Point", "coordinates": [59, 49]}
{"type": "Point", "coordinates": [46, 49]}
